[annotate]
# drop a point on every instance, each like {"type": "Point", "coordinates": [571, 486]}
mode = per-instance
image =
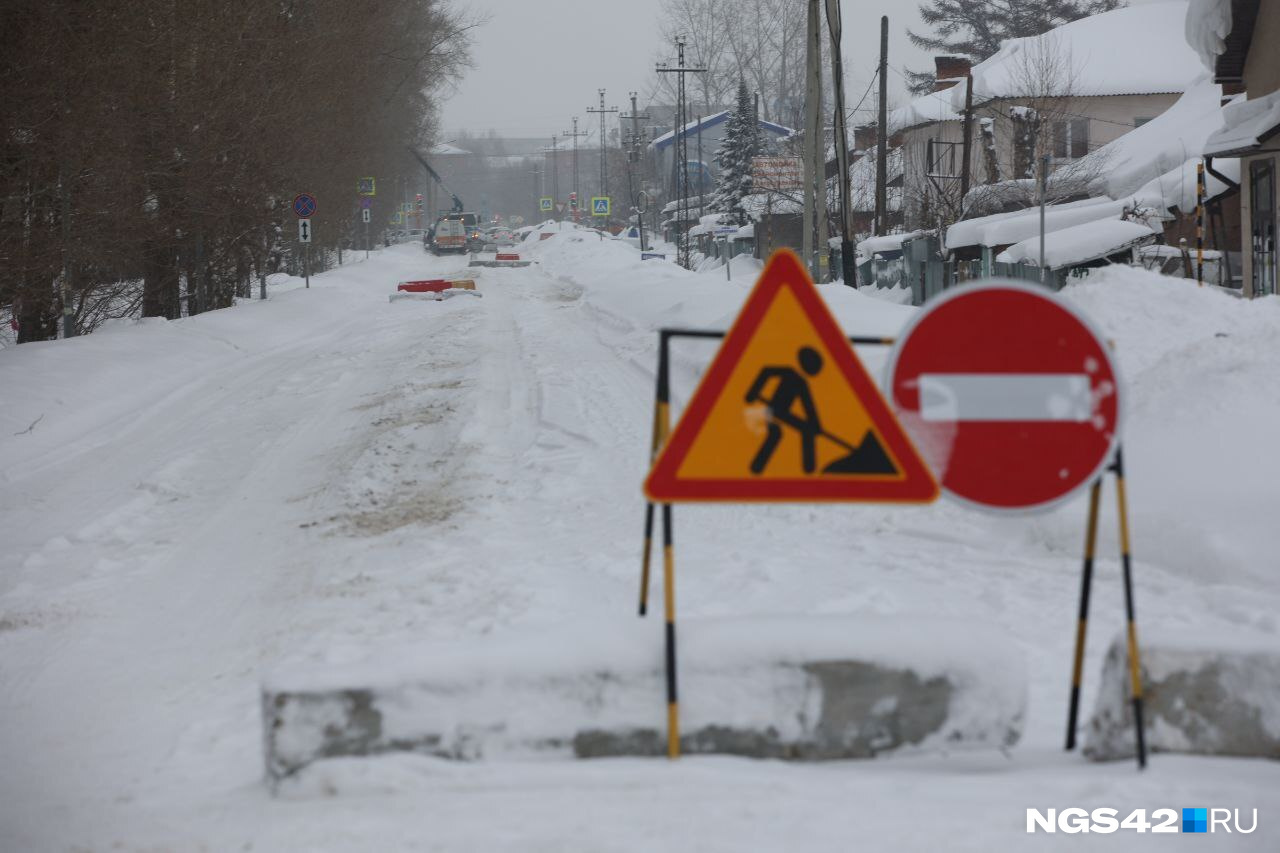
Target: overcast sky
{"type": "Point", "coordinates": [541, 62]}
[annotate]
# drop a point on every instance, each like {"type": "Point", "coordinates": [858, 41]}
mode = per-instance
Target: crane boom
{"type": "Point", "coordinates": [458, 206]}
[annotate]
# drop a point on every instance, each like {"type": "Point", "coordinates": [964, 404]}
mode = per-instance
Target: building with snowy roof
{"type": "Point", "coordinates": [1237, 40]}
{"type": "Point", "coordinates": [1064, 94]}
{"type": "Point", "coordinates": [704, 135]}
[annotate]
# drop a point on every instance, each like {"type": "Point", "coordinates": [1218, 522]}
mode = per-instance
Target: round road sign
{"type": "Point", "coordinates": [1010, 395]}
{"type": "Point", "coordinates": [304, 205]}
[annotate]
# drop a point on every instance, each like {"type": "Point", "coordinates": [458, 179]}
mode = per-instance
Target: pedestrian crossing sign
{"type": "Point", "coordinates": [546, 204]}
{"type": "Point", "coordinates": [787, 413]}
{"type": "Point", "coordinates": [600, 206]}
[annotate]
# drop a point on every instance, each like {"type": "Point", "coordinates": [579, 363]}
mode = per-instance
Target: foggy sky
{"type": "Point", "coordinates": [540, 62]}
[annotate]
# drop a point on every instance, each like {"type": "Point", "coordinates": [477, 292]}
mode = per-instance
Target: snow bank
{"type": "Point", "coordinates": [1191, 359]}
{"type": "Point", "coordinates": [1207, 694]}
{"type": "Point", "coordinates": [768, 687]}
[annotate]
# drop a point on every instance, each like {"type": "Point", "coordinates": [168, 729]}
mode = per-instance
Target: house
{"type": "Point", "coordinates": [702, 138]}
{"type": "Point", "coordinates": [1062, 94]}
{"type": "Point", "coordinates": [1238, 40]}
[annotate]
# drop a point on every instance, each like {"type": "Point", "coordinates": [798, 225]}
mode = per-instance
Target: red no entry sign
{"type": "Point", "coordinates": [1008, 393]}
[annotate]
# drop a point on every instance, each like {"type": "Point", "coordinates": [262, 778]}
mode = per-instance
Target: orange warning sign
{"type": "Point", "coordinates": [787, 412]}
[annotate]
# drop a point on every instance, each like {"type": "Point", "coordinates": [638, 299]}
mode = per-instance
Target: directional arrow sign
{"type": "Point", "coordinates": [364, 214]}
{"type": "Point", "coordinates": [304, 230]}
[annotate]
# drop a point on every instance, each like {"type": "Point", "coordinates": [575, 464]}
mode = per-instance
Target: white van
{"type": "Point", "coordinates": [451, 236]}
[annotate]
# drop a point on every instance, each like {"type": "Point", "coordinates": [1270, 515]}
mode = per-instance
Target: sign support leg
{"type": "Point", "coordinates": [306, 263]}
{"type": "Point", "coordinates": [1086, 582]}
{"type": "Point", "coordinates": [669, 594]}
{"type": "Point", "coordinates": [661, 416]}
{"type": "Point", "coordinates": [1135, 666]}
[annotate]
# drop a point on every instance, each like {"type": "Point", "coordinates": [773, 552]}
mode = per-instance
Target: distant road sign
{"type": "Point", "coordinates": [304, 230]}
{"type": "Point", "coordinates": [600, 206]}
{"type": "Point", "coordinates": [546, 204]}
{"type": "Point", "coordinates": [364, 215]}
{"type": "Point", "coordinates": [366, 186]}
{"type": "Point", "coordinates": [366, 203]}
{"type": "Point", "coordinates": [1009, 393]}
{"type": "Point", "coordinates": [725, 230]}
{"type": "Point", "coordinates": [304, 205]}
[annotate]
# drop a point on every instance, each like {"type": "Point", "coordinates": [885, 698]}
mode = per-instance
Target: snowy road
{"type": "Point", "coordinates": [301, 479]}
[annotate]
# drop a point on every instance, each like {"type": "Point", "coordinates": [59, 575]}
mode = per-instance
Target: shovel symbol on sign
{"type": "Point", "coordinates": [868, 457]}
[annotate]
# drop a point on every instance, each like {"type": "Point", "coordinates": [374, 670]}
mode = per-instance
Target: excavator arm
{"type": "Point", "coordinates": [458, 206]}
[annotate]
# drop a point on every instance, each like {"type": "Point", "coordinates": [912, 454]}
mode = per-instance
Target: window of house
{"type": "Point", "coordinates": [1070, 139]}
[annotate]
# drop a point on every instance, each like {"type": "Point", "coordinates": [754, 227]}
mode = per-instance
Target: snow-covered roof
{"type": "Point", "coordinates": [694, 126]}
{"type": "Point", "coordinates": [1162, 144]}
{"type": "Point", "coordinates": [446, 148]}
{"type": "Point", "coordinates": [926, 109]}
{"type": "Point", "coordinates": [1207, 25]}
{"type": "Point", "coordinates": [1005, 229]}
{"type": "Point", "coordinates": [886, 243]}
{"type": "Point", "coordinates": [1245, 125]}
{"type": "Point", "coordinates": [1078, 244]}
{"type": "Point", "coordinates": [1132, 50]}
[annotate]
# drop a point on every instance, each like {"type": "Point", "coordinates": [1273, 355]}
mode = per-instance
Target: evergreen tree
{"type": "Point", "coordinates": [741, 143]}
{"type": "Point", "coordinates": [976, 28]}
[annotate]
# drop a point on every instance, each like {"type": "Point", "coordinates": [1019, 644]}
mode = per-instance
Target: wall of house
{"type": "Point", "coordinates": [1262, 68]}
{"type": "Point", "coordinates": [1109, 117]}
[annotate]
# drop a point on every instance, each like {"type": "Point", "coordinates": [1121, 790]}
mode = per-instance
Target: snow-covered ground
{"type": "Point", "coordinates": [298, 480]}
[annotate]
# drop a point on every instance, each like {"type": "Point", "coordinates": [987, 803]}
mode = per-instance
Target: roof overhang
{"type": "Point", "coordinates": [1229, 67]}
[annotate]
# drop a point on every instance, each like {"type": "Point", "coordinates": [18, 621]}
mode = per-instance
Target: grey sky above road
{"type": "Point", "coordinates": [538, 63]}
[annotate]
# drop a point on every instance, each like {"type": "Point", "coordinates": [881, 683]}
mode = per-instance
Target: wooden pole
{"type": "Point", "coordinates": [882, 144]}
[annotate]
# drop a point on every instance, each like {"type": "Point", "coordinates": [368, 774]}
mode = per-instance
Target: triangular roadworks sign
{"type": "Point", "coordinates": [787, 412]}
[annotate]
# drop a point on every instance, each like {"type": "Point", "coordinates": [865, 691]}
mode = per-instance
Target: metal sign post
{"type": "Point", "coordinates": [364, 215]}
{"type": "Point", "coordinates": [304, 237]}
{"type": "Point", "coordinates": [304, 207]}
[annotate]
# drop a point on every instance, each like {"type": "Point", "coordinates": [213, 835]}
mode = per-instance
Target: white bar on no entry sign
{"type": "Point", "coordinates": [1005, 397]}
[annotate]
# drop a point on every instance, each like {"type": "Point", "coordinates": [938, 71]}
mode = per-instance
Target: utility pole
{"type": "Point", "coordinates": [967, 148]}
{"type": "Point", "coordinates": [848, 268]}
{"type": "Point", "coordinates": [604, 171]}
{"type": "Point", "coordinates": [813, 171]}
{"type": "Point", "coordinates": [882, 145]}
{"type": "Point", "coordinates": [555, 175]}
{"type": "Point", "coordinates": [680, 156]}
{"type": "Point", "coordinates": [702, 189]}
{"type": "Point", "coordinates": [633, 160]}
{"type": "Point", "coordinates": [1044, 192]}
{"type": "Point", "coordinates": [577, 194]}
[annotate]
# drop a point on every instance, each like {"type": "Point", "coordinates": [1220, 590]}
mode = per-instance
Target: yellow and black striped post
{"type": "Point", "coordinates": [661, 427]}
{"type": "Point", "coordinates": [1135, 665]}
{"type": "Point", "coordinates": [1200, 192]}
{"type": "Point", "coordinates": [1086, 582]}
{"type": "Point", "coordinates": [669, 595]}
